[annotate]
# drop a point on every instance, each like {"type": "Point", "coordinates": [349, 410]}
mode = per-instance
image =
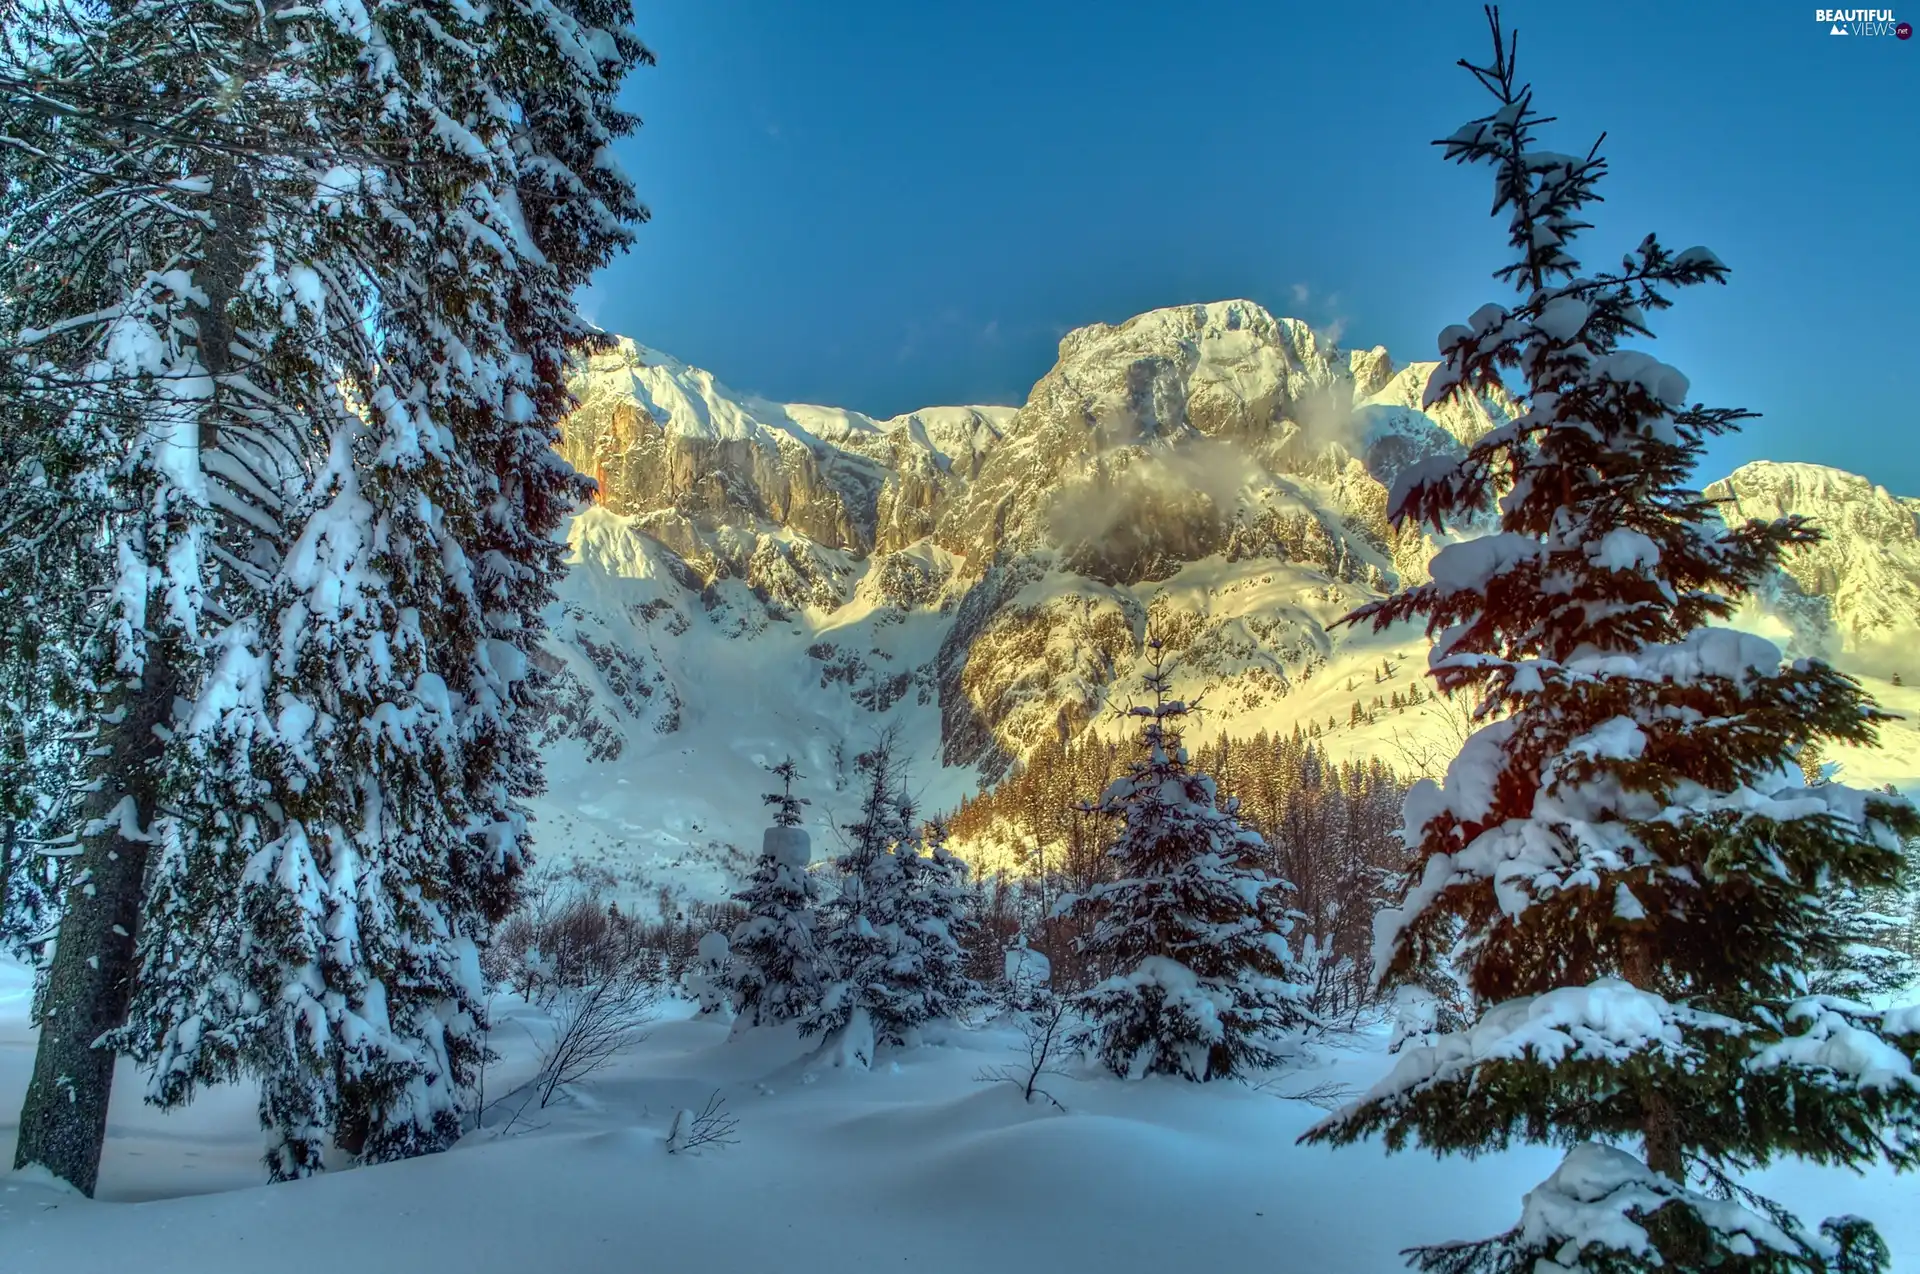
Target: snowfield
{"type": "Point", "coordinates": [915, 1166]}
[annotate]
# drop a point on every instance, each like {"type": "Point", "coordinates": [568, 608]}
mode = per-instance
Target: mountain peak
{"type": "Point", "coordinates": [1201, 322]}
{"type": "Point", "coordinates": [1856, 592]}
{"type": "Point", "coordinates": [1808, 481]}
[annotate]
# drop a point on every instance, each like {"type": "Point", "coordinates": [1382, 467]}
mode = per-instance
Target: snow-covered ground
{"type": "Point", "coordinates": [914, 1166]}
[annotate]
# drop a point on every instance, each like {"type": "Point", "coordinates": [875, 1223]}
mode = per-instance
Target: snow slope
{"type": "Point", "coordinates": [915, 1166]}
{"type": "Point", "coordinates": [729, 692]}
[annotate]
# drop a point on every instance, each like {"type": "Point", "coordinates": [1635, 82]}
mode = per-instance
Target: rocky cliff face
{"type": "Point", "coordinates": [782, 496]}
{"type": "Point", "coordinates": [1854, 597]}
{"type": "Point", "coordinates": [986, 576]}
{"type": "Point", "coordinates": [1184, 444]}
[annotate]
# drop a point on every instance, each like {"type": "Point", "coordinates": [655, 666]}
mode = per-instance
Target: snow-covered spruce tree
{"type": "Point", "coordinates": [1192, 935]}
{"type": "Point", "coordinates": [874, 993]}
{"type": "Point", "coordinates": [937, 913]}
{"type": "Point", "coordinates": [776, 962]}
{"type": "Point", "coordinates": [786, 806]}
{"type": "Point", "coordinates": [1638, 867]}
{"type": "Point", "coordinates": [1026, 977]}
{"type": "Point", "coordinates": [324, 936]}
{"type": "Point", "coordinates": [511, 210]}
{"type": "Point", "coordinates": [158, 403]}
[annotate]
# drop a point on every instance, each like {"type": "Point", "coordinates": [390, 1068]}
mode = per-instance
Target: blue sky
{"type": "Point", "coordinates": [889, 205]}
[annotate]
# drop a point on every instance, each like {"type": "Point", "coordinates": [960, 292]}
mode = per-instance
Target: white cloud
{"type": "Point", "coordinates": [1321, 310]}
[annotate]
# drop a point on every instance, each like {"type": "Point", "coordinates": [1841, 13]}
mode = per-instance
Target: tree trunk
{"type": "Point", "coordinates": [6, 867]}
{"type": "Point", "coordinates": [1659, 1119]}
{"type": "Point", "coordinates": [63, 1121]}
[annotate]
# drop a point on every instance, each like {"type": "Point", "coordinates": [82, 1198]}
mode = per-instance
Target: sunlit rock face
{"type": "Point", "coordinates": [1211, 473]}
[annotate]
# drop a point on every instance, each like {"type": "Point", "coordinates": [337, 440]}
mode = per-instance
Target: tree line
{"type": "Point", "coordinates": [1331, 828]}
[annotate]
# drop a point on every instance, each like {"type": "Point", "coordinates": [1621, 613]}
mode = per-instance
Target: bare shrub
{"type": "Point", "coordinates": [1043, 1036]}
{"type": "Point", "coordinates": [1448, 722]}
{"type": "Point", "coordinates": [711, 1125]}
{"type": "Point", "coordinates": [592, 1025]}
{"type": "Point", "coordinates": [567, 936]}
{"type": "Point", "coordinates": [1327, 1095]}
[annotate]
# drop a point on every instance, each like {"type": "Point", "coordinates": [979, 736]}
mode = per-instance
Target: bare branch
{"type": "Point", "coordinates": [711, 1125]}
{"type": "Point", "coordinates": [1043, 1032]}
{"type": "Point", "coordinates": [593, 1025]}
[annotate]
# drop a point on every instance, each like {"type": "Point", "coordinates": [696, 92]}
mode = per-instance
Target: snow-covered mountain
{"type": "Point", "coordinates": [1855, 597]}
{"type": "Point", "coordinates": [766, 578]}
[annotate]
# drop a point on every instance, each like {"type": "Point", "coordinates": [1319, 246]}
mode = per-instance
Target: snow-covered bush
{"type": "Point", "coordinates": [1026, 976]}
{"type": "Point", "coordinates": [709, 980]}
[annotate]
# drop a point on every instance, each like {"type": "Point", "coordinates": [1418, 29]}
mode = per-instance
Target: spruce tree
{"type": "Point", "coordinates": [776, 957]}
{"type": "Point", "coordinates": [1876, 925]}
{"type": "Point", "coordinates": [875, 993]}
{"type": "Point", "coordinates": [157, 415]}
{"type": "Point", "coordinates": [787, 806]}
{"type": "Point", "coordinates": [322, 930]}
{"type": "Point", "coordinates": [938, 916]}
{"type": "Point", "coordinates": [1192, 934]}
{"type": "Point", "coordinates": [1638, 870]}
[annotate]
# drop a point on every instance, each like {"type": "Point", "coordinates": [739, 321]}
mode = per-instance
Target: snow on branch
{"type": "Point", "coordinates": [1608, 1021]}
{"type": "Point", "coordinates": [1601, 1197]}
{"type": "Point", "coordinates": [1841, 1041]}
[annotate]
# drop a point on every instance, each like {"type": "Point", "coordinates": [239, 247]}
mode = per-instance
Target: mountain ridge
{"type": "Point", "coordinates": [760, 577]}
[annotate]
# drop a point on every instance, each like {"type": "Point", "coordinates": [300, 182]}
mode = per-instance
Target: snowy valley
{"type": "Point", "coordinates": [760, 580]}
